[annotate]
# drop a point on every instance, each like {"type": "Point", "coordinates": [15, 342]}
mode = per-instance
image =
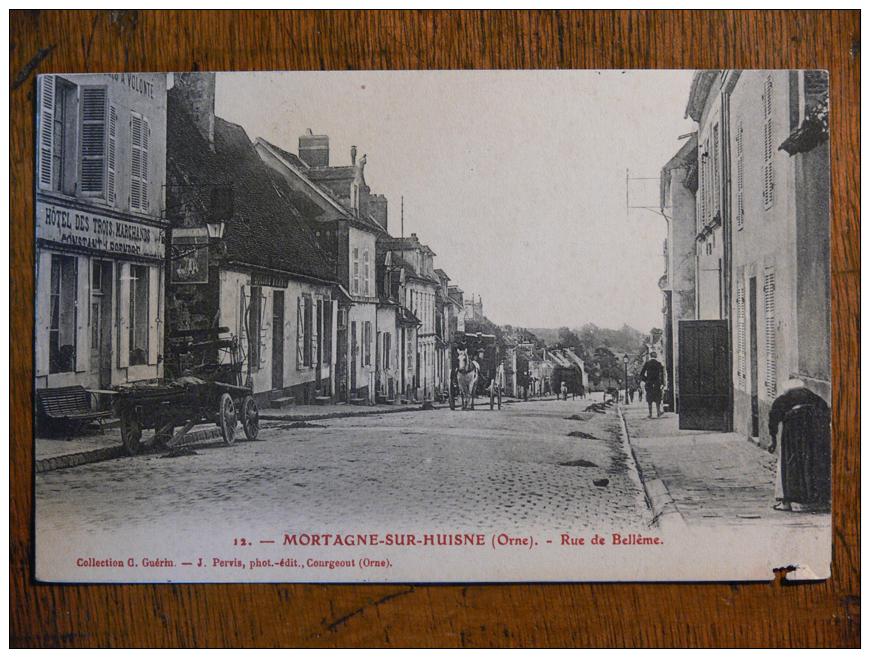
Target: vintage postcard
{"type": "Point", "coordinates": [455, 326]}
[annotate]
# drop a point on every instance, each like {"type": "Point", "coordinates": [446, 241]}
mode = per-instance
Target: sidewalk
{"type": "Point", "coordinates": [93, 446]}
{"type": "Point", "coordinates": [698, 477]}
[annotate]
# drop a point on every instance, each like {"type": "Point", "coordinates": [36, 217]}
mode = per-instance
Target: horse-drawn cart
{"type": "Point", "coordinates": [204, 390]}
{"type": "Point", "coordinates": [480, 353]}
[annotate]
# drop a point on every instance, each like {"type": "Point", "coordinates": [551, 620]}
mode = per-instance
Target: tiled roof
{"type": "Point", "coordinates": [265, 229]}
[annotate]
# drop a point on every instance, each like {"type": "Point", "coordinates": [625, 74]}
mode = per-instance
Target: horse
{"type": "Point", "coordinates": [467, 375]}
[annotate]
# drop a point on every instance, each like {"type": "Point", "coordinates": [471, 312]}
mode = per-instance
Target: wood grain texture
{"type": "Point", "coordinates": [771, 614]}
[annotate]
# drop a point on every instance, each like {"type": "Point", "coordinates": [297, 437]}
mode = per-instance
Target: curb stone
{"type": "Point", "coordinates": [665, 512]}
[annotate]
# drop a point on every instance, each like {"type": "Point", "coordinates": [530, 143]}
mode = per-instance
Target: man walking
{"type": "Point", "coordinates": [653, 377]}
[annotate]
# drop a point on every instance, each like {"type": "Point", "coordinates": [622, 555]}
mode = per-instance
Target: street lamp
{"type": "Point", "coordinates": [625, 362]}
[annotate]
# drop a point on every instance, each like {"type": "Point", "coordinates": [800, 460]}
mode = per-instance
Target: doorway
{"type": "Point", "coordinates": [101, 323]}
{"type": "Point", "coordinates": [278, 340]}
{"type": "Point", "coordinates": [753, 356]}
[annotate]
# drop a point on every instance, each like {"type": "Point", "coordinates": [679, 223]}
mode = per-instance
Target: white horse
{"type": "Point", "coordinates": [467, 375]}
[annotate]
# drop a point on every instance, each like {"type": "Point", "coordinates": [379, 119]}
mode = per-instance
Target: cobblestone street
{"type": "Point", "coordinates": [528, 466]}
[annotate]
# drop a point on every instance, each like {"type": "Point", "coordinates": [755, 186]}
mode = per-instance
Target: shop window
{"type": "Point", "coordinates": [139, 320]}
{"type": "Point", "coordinates": [62, 319]}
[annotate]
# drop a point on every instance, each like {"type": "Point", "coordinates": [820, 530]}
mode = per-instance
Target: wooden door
{"type": "Point", "coordinates": [278, 340]}
{"type": "Point", "coordinates": [705, 375]}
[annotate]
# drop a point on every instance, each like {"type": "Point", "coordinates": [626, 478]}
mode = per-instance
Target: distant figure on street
{"type": "Point", "coordinates": [631, 393]}
{"type": "Point", "coordinates": [653, 377]}
{"type": "Point", "coordinates": [564, 390]}
{"type": "Point", "coordinates": [804, 451]}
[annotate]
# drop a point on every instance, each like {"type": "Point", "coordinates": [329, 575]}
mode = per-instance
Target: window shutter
{"type": "Point", "coordinates": [93, 139]}
{"type": "Point", "coordinates": [315, 331]}
{"type": "Point", "coordinates": [110, 155]}
{"type": "Point", "coordinates": [717, 197]}
{"type": "Point", "coordinates": [741, 335]}
{"type": "Point", "coordinates": [125, 272]}
{"type": "Point", "coordinates": [45, 147]}
{"type": "Point", "coordinates": [770, 332]}
{"type": "Point", "coordinates": [139, 131]}
{"type": "Point", "coordinates": [43, 309]}
{"type": "Point", "coordinates": [767, 168]}
{"type": "Point", "coordinates": [83, 296]}
{"type": "Point", "coordinates": [153, 298]}
{"type": "Point", "coordinates": [243, 318]}
{"type": "Point", "coordinates": [740, 205]}
{"type": "Point", "coordinates": [300, 332]}
{"type": "Point", "coordinates": [265, 319]}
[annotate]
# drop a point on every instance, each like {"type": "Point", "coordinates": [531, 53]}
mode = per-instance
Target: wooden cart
{"type": "Point", "coordinates": [205, 390]}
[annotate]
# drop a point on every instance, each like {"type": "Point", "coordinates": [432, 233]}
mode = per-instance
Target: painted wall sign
{"type": "Point", "coordinates": [98, 233]}
{"type": "Point", "coordinates": [262, 279]}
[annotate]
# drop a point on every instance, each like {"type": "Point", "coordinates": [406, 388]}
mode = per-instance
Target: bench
{"type": "Point", "coordinates": [67, 409]}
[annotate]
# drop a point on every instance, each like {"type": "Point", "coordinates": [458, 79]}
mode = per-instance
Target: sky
{"type": "Point", "coordinates": [515, 179]}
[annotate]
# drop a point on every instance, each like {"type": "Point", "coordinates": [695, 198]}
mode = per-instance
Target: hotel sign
{"type": "Point", "coordinates": [98, 233]}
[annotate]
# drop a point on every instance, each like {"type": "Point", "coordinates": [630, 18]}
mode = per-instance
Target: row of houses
{"type": "Point", "coordinates": [155, 216]}
{"type": "Point", "coordinates": [747, 273]}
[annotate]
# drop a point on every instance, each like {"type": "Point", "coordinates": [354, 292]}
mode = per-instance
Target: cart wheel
{"type": "Point", "coordinates": [227, 419]}
{"type": "Point", "coordinates": [250, 418]}
{"type": "Point", "coordinates": [131, 433]}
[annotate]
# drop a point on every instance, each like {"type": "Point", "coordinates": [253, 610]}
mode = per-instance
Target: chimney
{"type": "Point", "coordinates": [314, 149]}
{"type": "Point", "coordinates": [353, 156]}
{"type": "Point", "coordinates": [196, 93]}
{"type": "Point", "coordinates": [378, 209]}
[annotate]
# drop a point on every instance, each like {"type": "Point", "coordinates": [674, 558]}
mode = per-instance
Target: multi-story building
{"type": "Point", "coordinates": [762, 247]}
{"type": "Point", "coordinates": [419, 286]}
{"type": "Point", "coordinates": [347, 221]}
{"type": "Point", "coordinates": [100, 229]}
{"type": "Point", "coordinates": [242, 256]}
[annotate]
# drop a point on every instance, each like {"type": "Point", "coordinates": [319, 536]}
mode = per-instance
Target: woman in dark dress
{"type": "Point", "coordinates": [804, 458]}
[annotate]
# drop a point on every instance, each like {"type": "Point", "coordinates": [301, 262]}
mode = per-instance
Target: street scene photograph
{"type": "Point", "coordinates": [444, 326]}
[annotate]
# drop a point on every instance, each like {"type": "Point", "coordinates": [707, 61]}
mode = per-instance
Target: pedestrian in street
{"type": "Point", "coordinates": [564, 391]}
{"type": "Point", "coordinates": [653, 377]}
{"type": "Point", "coordinates": [803, 455]}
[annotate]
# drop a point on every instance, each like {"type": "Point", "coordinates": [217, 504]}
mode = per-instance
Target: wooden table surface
{"type": "Point", "coordinates": [766, 614]}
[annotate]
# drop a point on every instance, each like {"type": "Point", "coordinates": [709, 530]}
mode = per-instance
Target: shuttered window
{"type": "Point", "coordinates": [770, 332]}
{"type": "Point", "coordinates": [741, 335]}
{"type": "Point", "coordinates": [300, 333]}
{"type": "Point", "coordinates": [739, 171]}
{"type": "Point", "coordinates": [111, 154]}
{"type": "Point", "coordinates": [140, 134]}
{"type": "Point", "coordinates": [702, 190]}
{"type": "Point", "coordinates": [366, 273]}
{"type": "Point", "coordinates": [367, 342]}
{"type": "Point", "coordinates": [355, 288]}
{"type": "Point", "coordinates": [255, 318]}
{"type": "Point", "coordinates": [94, 138]}
{"type": "Point", "coordinates": [715, 211]}
{"type": "Point", "coordinates": [767, 165]}
{"type": "Point", "coordinates": [56, 127]}
{"type": "Point", "coordinates": [46, 131]}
